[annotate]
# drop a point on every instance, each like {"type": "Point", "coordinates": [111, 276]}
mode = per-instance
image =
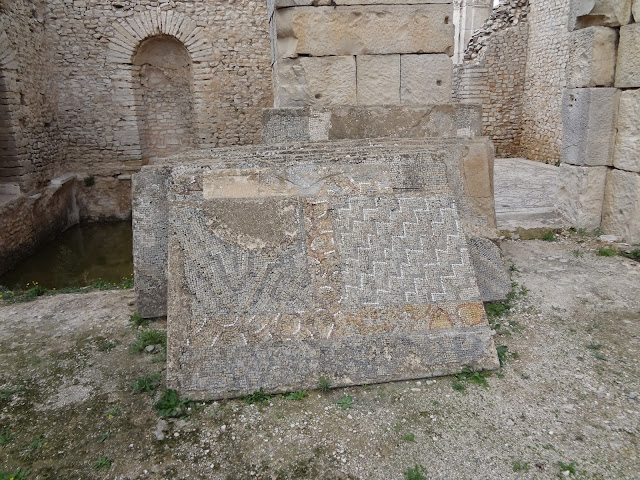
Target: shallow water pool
{"type": "Point", "coordinates": [81, 255]}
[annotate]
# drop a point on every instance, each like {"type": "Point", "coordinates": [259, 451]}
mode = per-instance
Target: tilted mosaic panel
{"type": "Point", "coordinates": [434, 167]}
{"type": "Point", "coordinates": [270, 288]}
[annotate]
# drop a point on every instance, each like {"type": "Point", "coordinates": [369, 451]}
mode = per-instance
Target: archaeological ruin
{"type": "Point", "coordinates": [311, 182]}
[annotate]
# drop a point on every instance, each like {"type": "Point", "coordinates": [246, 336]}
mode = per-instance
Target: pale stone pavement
{"type": "Point", "coordinates": [525, 194]}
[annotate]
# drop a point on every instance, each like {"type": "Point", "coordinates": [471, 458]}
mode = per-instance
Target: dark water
{"type": "Point", "coordinates": [79, 256]}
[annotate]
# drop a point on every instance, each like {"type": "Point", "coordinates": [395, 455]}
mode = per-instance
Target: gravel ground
{"type": "Point", "coordinates": [564, 404]}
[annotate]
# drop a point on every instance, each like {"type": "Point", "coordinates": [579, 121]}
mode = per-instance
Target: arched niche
{"type": "Point", "coordinates": [163, 89]}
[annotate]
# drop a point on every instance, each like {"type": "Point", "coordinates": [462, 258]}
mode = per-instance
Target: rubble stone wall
{"type": "Point", "coordinates": [74, 101]}
{"type": "Point", "coordinates": [547, 55]}
{"type": "Point", "coordinates": [96, 42]}
{"type": "Point", "coordinates": [493, 74]}
{"type": "Point", "coordinates": [30, 144]}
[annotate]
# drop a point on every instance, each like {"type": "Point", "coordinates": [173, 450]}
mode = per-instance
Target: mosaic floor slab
{"type": "Point", "coordinates": [275, 282]}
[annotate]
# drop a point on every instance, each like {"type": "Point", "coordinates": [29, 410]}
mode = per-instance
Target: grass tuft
{"type": "Point", "coordinates": [149, 337]}
{"type": "Point", "coordinates": [170, 405]}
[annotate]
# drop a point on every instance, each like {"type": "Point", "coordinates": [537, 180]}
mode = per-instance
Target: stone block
{"type": "Point", "coordinates": [605, 13]}
{"type": "Point", "coordinates": [310, 81]}
{"type": "Point", "coordinates": [317, 3]}
{"type": "Point", "coordinates": [425, 79]}
{"type": "Point", "coordinates": [281, 125]}
{"type": "Point", "coordinates": [627, 149]}
{"type": "Point", "coordinates": [300, 273]}
{"type": "Point", "coordinates": [621, 205]}
{"type": "Point", "coordinates": [592, 57]}
{"type": "Point", "coordinates": [364, 30]}
{"type": "Point", "coordinates": [628, 67]}
{"type": "Point", "coordinates": [589, 120]}
{"type": "Point", "coordinates": [428, 165]}
{"type": "Point", "coordinates": [636, 10]}
{"type": "Point", "coordinates": [378, 79]}
{"type": "Point", "coordinates": [580, 194]}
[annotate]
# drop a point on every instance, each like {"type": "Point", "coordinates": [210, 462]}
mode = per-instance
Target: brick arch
{"type": "Point", "coordinates": [132, 31]}
{"type": "Point", "coordinates": [128, 35]}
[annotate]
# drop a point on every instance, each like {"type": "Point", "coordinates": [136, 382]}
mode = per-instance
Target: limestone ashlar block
{"type": "Point", "coordinates": [627, 150]}
{"type": "Point", "coordinates": [592, 57]}
{"type": "Point", "coordinates": [580, 194]}
{"type": "Point", "coordinates": [621, 205]}
{"type": "Point", "coordinates": [636, 10]}
{"type": "Point", "coordinates": [364, 30]}
{"type": "Point", "coordinates": [628, 67]}
{"type": "Point", "coordinates": [316, 3]}
{"type": "Point", "coordinates": [425, 79]}
{"type": "Point", "coordinates": [311, 81]}
{"type": "Point", "coordinates": [378, 79]}
{"type": "Point", "coordinates": [589, 119]}
{"type": "Point", "coordinates": [605, 13]}
{"type": "Point", "coordinates": [283, 125]}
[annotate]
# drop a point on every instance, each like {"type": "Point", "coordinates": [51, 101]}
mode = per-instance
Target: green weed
{"type": "Point", "coordinates": [519, 466]}
{"type": "Point", "coordinates": [105, 345]}
{"type": "Point", "coordinates": [497, 310]}
{"type": "Point", "coordinates": [299, 395]}
{"type": "Point", "coordinates": [6, 437]}
{"type": "Point", "coordinates": [607, 252]}
{"type": "Point", "coordinates": [10, 392]}
{"type": "Point", "coordinates": [146, 384]}
{"type": "Point", "coordinates": [37, 443]}
{"type": "Point", "coordinates": [633, 254]}
{"type": "Point", "coordinates": [415, 473]}
{"type": "Point", "coordinates": [549, 237]}
{"type": "Point", "coordinates": [502, 354]}
{"type": "Point", "coordinates": [149, 337]}
{"type": "Point", "coordinates": [570, 467]}
{"type": "Point", "coordinates": [594, 346]}
{"type": "Point", "coordinates": [170, 405]}
{"type": "Point", "coordinates": [458, 386]}
{"type": "Point", "coordinates": [257, 397]}
{"type": "Point", "coordinates": [19, 474]}
{"type": "Point", "coordinates": [345, 402]}
{"type": "Point", "coordinates": [476, 377]}
{"type": "Point", "coordinates": [89, 181]}
{"type": "Point", "coordinates": [577, 253]}
{"type": "Point", "coordinates": [409, 437]}
{"type": "Point", "coordinates": [105, 436]}
{"type": "Point", "coordinates": [102, 463]}
{"type": "Point", "coordinates": [33, 290]}
{"type": "Point", "coordinates": [137, 321]}
{"type": "Point", "coordinates": [324, 384]}
{"type": "Point", "coordinates": [114, 412]}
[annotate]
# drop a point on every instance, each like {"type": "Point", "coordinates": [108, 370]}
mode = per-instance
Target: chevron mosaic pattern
{"type": "Point", "coordinates": [349, 280]}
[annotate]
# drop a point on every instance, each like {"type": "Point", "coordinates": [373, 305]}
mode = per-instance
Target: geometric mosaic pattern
{"type": "Point", "coordinates": [402, 250]}
{"type": "Point", "coordinates": [353, 282]}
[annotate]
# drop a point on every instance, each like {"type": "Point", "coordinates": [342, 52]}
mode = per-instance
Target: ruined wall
{"type": "Point", "coordinates": [101, 112]}
{"type": "Point", "coordinates": [493, 74]}
{"type": "Point", "coordinates": [548, 50]}
{"type": "Point", "coordinates": [29, 140]}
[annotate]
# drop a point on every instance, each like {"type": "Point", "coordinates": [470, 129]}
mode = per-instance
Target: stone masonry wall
{"type": "Point", "coordinates": [99, 90]}
{"type": "Point", "coordinates": [493, 74]}
{"type": "Point", "coordinates": [600, 184]}
{"type": "Point", "coordinates": [29, 140]}
{"type": "Point", "coordinates": [545, 80]}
